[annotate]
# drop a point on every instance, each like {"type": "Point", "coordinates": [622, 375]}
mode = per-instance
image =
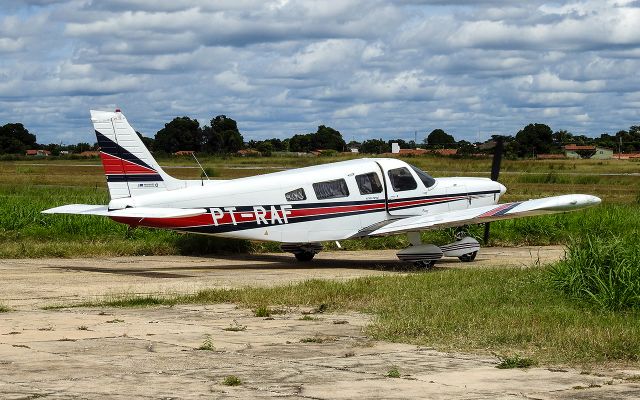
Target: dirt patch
{"type": "Point", "coordinates": [30, 283]}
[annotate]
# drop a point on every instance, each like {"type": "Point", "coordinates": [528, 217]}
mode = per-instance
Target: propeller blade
{"type": "Point", "coordinates": [497, 158]}
{"type": "Point", "coordinates": [495, 173]}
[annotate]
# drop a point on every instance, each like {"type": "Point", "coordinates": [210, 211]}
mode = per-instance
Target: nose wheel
{"type": "Point", "coordinates": [424, 264]}
{"type": "Point", "coordinates": [303, 252]}
{"type": "Point", "coordinates": [304, 256]}
{"type": "Point", "coordinates": [468, 257]}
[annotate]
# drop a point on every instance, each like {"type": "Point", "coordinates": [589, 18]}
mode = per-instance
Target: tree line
{"type": "Point", "coordinates": [222, 136]}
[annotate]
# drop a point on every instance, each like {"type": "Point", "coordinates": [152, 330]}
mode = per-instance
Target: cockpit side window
{"type": "Point", "coordinates": [424, 177]}
{"type": "Point", "coordinates": [369, 183]}
{"type": "Point", "coordinates": [401, 179]}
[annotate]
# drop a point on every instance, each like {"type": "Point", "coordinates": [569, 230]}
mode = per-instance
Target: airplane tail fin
{"type": "Point", "coordinates": [130, 168]}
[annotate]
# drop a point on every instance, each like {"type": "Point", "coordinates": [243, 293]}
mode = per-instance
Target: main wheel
{"type": "Point", "coordinates": [468, 257]}
{"type": "Point", "coordinates": [304, 255]}
{"type": "Point", "coordinates": [426, 264]}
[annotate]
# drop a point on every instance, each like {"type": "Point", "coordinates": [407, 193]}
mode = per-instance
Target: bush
{"type": "Point", "coordinates": [605, 272]}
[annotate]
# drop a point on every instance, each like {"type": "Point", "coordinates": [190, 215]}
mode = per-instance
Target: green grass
{"type": "Point", "coordinates": [603, 271]}
{"type": "Point", "coordinates": [232, 380]}
{"type": "Point", "coordinates": [393, 372]}
{"type": "Point", "coordinates": [4, 308]}
{"type": "Point", "coordinates": [235, 327]}
{"type": "Point", "coordinates": [503, 311]}
{"type": "Point", "coordinates": [509, 362]}
{"type": "Point", "coordinates": [207, 344]}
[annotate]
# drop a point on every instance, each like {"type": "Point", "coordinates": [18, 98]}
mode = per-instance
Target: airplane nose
{"type": "Point", "coordinates": [503, 188]}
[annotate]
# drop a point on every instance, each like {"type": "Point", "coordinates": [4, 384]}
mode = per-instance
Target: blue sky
{"type": "Point", "coordinates": [369, 68]}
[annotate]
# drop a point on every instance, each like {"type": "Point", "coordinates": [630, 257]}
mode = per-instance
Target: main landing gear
{"type": "Point", "coordinates": [425, 255]}
{"type": "Point", "coordinates": [303, 252]}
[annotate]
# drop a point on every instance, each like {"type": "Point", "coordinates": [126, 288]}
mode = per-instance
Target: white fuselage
{"type": "Point", "coordinates": [313, 204]}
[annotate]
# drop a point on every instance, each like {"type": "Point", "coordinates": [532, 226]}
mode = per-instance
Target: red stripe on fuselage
{"type": "Point", "coordinates": [226, 219]}
{"type": "Point", "coordinates": [115, 165]}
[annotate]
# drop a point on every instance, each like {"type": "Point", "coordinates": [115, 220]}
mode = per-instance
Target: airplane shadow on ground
{"type": "Point", "coordinates": [254, 262]}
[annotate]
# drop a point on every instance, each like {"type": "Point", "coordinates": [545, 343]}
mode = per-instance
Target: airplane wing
{"type": "Point", "coordinates": [547, 205]}
{"type": "Point", "coordinates": [135, 212]}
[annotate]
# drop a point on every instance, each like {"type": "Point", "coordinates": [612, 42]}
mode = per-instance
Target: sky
{"type": "Point", "coordinates": [369, 68]}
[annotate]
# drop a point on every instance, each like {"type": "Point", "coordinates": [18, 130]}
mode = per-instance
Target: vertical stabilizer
{"type": "Point", "coordinates": [130, 168]}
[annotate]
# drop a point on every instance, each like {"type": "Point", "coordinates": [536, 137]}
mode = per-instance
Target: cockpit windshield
{"type": "Point", "coordinates": [424, 177]}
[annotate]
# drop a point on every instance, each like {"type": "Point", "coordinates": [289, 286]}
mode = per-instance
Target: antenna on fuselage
{"type": "Point", "coordinates": [200, 165]}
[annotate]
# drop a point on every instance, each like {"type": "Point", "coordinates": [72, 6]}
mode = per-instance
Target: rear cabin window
{"type": "Point", "coordinates": [369, 183]}
{"type": "Point", "coordinates": [401, 179]}
{"type": "Point", "coordinates": [296, 195]}
{"type": "Point", "coordinates": [331, 189]}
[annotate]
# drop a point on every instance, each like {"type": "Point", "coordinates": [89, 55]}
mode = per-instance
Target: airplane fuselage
{"type": "Point", "coordinates": [334, 201]}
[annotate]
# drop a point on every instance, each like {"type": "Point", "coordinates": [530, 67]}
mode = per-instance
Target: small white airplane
{"type": "Point", "coordinates": [301, 208]}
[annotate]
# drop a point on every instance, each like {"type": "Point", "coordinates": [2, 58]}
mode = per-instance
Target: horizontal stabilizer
{"type": "Point", "coordinates": [132, 212]}
{"type": "Point", "coordinates": [546, 205]}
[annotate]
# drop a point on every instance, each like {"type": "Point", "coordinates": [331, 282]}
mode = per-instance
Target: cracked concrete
{"type": "Point", "coordinates": [96, 353]}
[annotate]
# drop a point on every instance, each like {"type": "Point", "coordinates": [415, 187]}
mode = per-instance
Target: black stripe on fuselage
{"type": "Point", "coordinates": [212, 228]}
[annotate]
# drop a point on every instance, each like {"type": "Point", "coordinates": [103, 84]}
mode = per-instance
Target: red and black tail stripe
{"type": "Point", "coordinates": [120, 165]}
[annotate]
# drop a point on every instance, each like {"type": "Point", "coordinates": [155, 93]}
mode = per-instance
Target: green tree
{"type": "Point", "coordinates": [465, 148]}
{"type": "Point", "coordinates": [265, 148]}
{"type": "Point", "coordinates": [15, 139]}
{"type": "Point", "coordinates": [301, 143]}
{"type": "Point", "coordinates": [534, 139]}
{"type": "Point", "coordinates": [375, 146]}
{"type": "Point", "coordinates": [222, 136]}
{"type": "Point", "coordinates": [440, 138]}
{"type": "Point", "coordinates": [327, 138]}
{"type": "Point", "coordinates": [182, 133]}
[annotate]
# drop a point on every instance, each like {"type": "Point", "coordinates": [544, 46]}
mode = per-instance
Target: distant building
{"type": "Point", "coordinates": [90, 154]}
{"type": "Point", "coordinates": [626, 156]}
{"type": "Point", "coordinates": [184, 153]}
{"type": "Point", "coordinates": [592, 152]}
{"type": "Point", "coordinates": [444, 152]}
{"type": "Point", "coordinates": [40, 153]}
{"type": "Point", "coordinates": [395, 149]}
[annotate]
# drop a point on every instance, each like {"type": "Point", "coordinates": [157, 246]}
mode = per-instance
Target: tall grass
{"type": "Point", "coordinates": [25, 232]}
{"type": "Point", "coordinates": [603, 271]}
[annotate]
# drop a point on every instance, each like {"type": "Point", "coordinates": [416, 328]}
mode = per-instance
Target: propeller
{"type": "Point", "coordinates": [495, 172]}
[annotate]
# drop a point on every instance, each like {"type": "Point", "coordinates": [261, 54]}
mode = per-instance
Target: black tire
{"type": "Point", "coordinates": [468, 257]}
{"type": "Point", "coordinates": [426, 264]}
{"type": "Point", "coordinates": [304, 256]}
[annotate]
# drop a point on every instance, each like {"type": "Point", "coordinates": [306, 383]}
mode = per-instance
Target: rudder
{"type": "Point", "coordinates": [130, 168]}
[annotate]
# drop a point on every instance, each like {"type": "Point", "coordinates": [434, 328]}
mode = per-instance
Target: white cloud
{"type": "Point", "coordinates": [372, 68]}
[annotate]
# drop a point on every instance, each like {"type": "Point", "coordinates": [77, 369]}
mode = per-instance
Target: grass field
{"type": "Point", "coordinates": [27, 187]}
